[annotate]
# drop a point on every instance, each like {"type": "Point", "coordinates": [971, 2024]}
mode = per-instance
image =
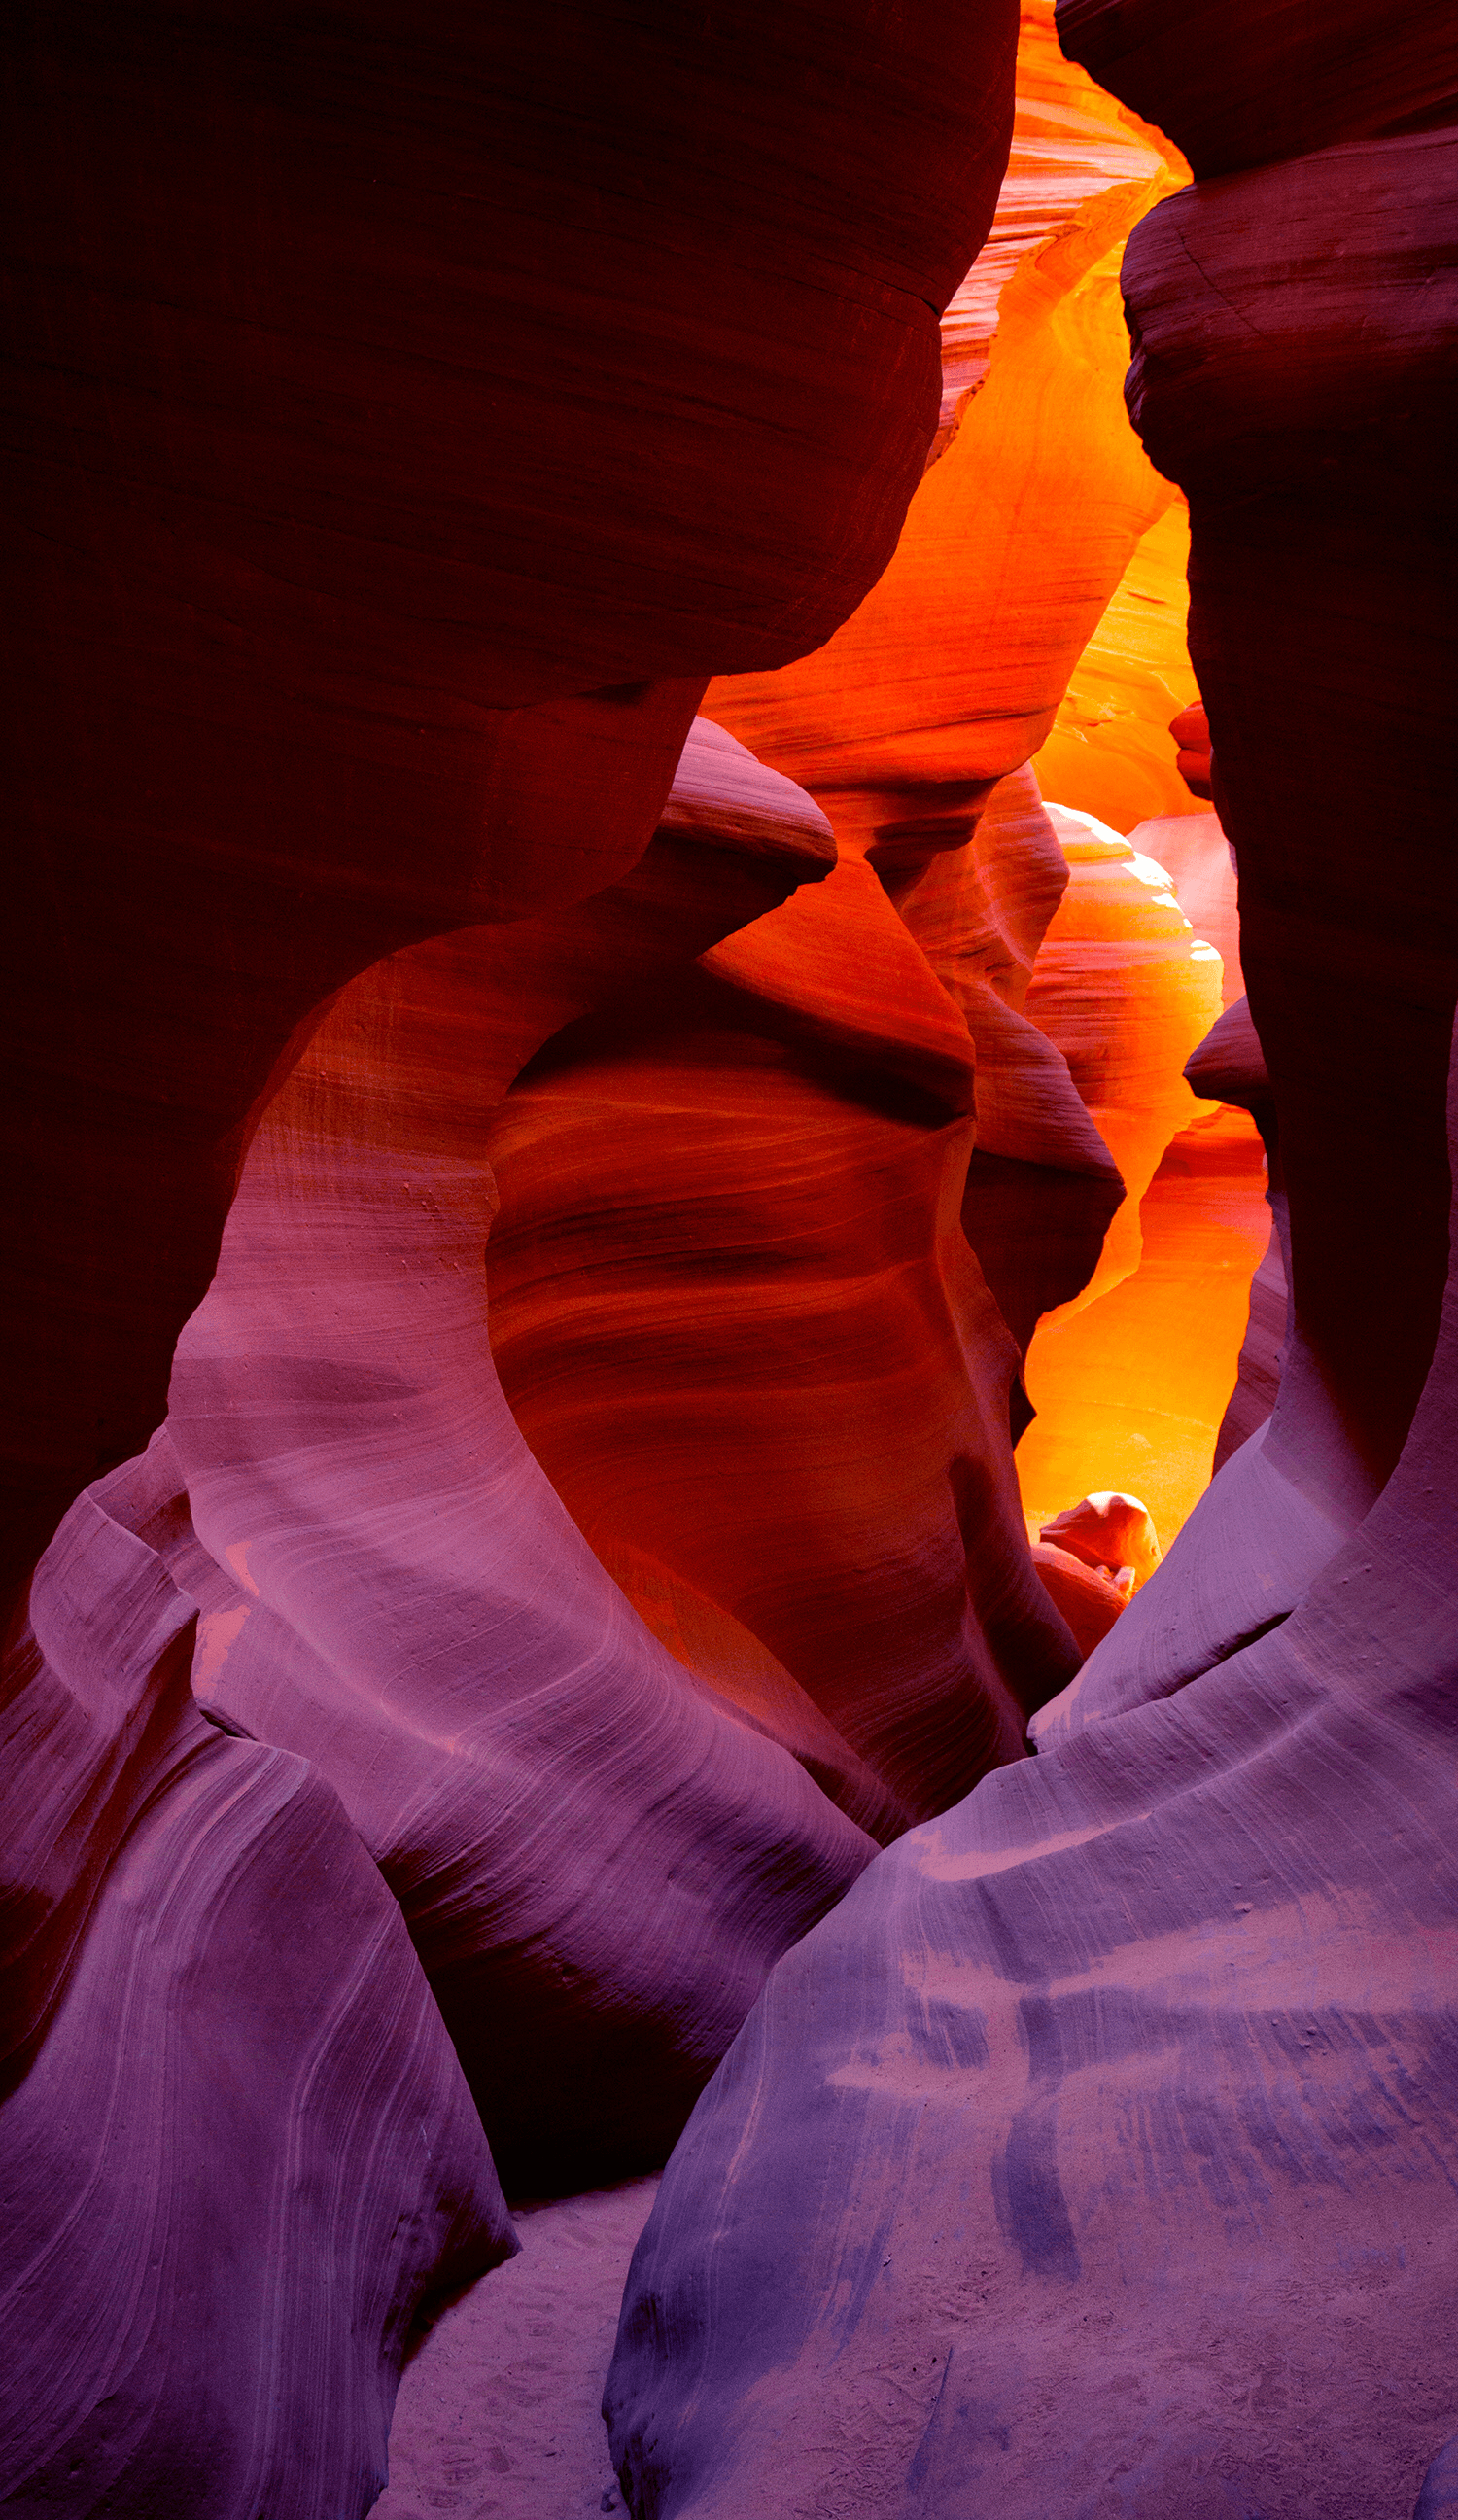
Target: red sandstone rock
{"type": "Point", "coordinates": [237, 2145]}
{"type": "Point", "coordinates": [1069, 141]}
{"type": "Point", "coordinates": [1108, 1530]}
{"type": "Point", "coordinates": [407, 415]}
{"type": "Point", "coordinates": [1237, 86]}
{"type": "Point", "coordinates": [930, 691]}
{"type": "Point", "coordinates": [1087, 1597]}
{"type": "Point", "coordinates": [1042, 1185]}
{"type": "Point", "coordinates": [1128, 2088]}
{"type": "Point", "coordinates": [741, 1330]}
{"type": "Point", "coordinates": [1191, 733]}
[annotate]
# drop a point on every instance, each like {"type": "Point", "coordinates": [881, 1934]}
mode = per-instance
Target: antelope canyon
{"type": "Point", "coordinates": [730, 1465]}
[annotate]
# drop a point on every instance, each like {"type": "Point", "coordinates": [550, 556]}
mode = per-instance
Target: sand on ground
{"type": "Point", "coordinates": [498, 2413]}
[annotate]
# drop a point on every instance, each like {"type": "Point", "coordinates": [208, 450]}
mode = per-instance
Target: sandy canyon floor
{"type": "Point", "coordinates": [498, 2413]}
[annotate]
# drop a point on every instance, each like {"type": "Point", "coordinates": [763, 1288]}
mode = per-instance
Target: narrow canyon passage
{"type": "Point", "coordinates": [726, 1780]}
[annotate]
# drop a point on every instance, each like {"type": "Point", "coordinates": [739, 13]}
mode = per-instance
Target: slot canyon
{"type": "Point", "coordinates": [730, 1417]}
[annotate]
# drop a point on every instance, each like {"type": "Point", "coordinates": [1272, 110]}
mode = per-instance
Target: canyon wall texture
{"type": "Point", "coordinates": [542, 1218]}
{"type": "Point", "coordinates": [237, 2146]}
{"type": "Point", "coordinates": [596, 1855]}
{"type": "Point", "coordinates": [406, 421]}
{"type": "Point", "coordinates": [1094, 2155]}
{"type": "Point", "coordinates": [741, 1328]}
{"type": "Point", "coordinates": [1128, 2082]}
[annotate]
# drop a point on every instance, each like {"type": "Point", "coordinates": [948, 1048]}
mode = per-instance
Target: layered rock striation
{"type": "Point", "coordinates": [407, 418]}
{"type": "Point", "coordinates": [741, 1328]}
{"type": "Point", "coordinates": [1094, 2154]}
{"type": "Point", "coordinates": [238, 2145]}
{"type": "Point", "coordinates": [597, 1855]}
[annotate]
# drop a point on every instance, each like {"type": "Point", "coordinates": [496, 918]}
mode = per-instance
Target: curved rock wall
{"type": "Point", "coordinates": [1094, 2155]}
{"type": "Point", "coordinates": [407, 417]}
{"type": "Point", "coordinates": [740, 1327]}
{"type": "Point", "coordinates": [392, 1589]}
{"type": "Point", "coordinates": [238, 2145]}
{"type": "Point", "coordinates": [1133, 2076]}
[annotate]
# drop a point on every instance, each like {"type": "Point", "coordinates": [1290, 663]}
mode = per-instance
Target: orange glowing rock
{"type": "Point", "coordinates": [1129, 1381]}
{"type": "Point", "coordinates": [1069, 140]}
{"type": "Point", "coordinates": [1113, 750]}
{"type": "Point", "coordinates": [950, 672]}
{"type": "Point", "coordinates": [1112, 1530]}
{"type": "Point", "coordinates": [1125, 990]}
{"type": "Point", "coordinates": [1134, 1385]}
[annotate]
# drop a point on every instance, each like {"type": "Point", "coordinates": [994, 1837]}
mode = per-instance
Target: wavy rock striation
{"type": "Point", "coordinates": [1095, 2155]}
{"type": "Point", "coordinates": [237, 2148]}
{"type": "Point", "coordinates": [739, 1325]}
{"type": "Point", "coordinates": [598, 1854]}
{"type": "Point", "coordinates": [408, 416]}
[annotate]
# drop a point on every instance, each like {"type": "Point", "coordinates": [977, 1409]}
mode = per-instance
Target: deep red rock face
{"type": "Point", "coordinates": [379, 391]}
{"type": "Point", "coordinates": [1239, 86]}
{"type": "Point", "coordinates": [227, 2186]}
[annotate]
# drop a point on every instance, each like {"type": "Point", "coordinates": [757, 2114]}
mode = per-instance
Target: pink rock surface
{"type": "Point", "coordinates": [1133, 2078]}
{"type": "Point", "coordinates": [1199, 863]}
{"type": "Point", "coordinates": [597, 1855]}
{"type": "Point", "coordinates": [237, 2145]}
{"type": "Point", "coordinates": [1096, 2156]}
